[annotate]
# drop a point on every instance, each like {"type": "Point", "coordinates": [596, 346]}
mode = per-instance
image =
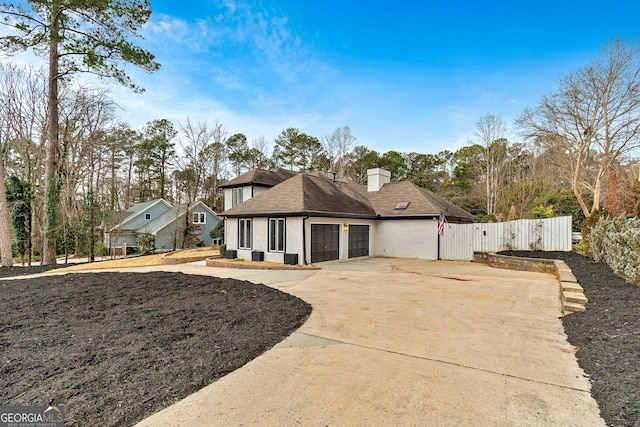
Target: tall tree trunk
{"type": "Point", "coordinates": [51, 184]}
{"type": "Point", "coordinates": [575, 184]}
{"type": "Point", "coordinates": [112, 190]}
{"type": "Point", "coordinates": [127, 194]}
{"type": "Point", "coordinates": [5, 226]}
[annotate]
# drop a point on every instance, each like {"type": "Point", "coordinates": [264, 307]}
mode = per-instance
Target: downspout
{"type": "Point", "coordinates": [224, 234]}
{"type": "Point", "coordinates": [304, 240]}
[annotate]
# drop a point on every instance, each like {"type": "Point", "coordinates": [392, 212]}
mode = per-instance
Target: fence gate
{"type": "Point", "coordinates": [457, 242]}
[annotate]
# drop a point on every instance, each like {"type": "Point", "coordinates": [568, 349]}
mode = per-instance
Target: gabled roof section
{"type": "Point", "coordinates": [260, 177]}
{"type": "Point", "coordinates": [422, 202]}
{"type": "Point", "coordinates": [306, 194]}
{"type": "Point", "coordinates": [164, 219]}
{"type": "Point", "coordinates": [136, 210]}
{"type": "Point", "coordinates": [174, 214]}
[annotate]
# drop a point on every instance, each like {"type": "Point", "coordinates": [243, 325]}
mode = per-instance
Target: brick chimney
{"type": "Point", "coordinates": [376, 178]}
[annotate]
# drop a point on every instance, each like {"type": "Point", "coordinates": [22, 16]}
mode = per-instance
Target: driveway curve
{"type": "Point", "coordinates": [404, 342]}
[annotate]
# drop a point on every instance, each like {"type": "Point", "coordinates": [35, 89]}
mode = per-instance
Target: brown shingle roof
{"type": "Point", "coordinates": [310, 194]}
{"type": "Point", "coordinates": [260, 177]}
{"type": "Point", "coordinates": [307, 194]}
{"type": "Point", "coordinates": [422, 202]}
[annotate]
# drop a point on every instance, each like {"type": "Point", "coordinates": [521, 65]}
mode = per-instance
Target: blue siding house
{"type": "Point", "coordinates": [166, 222]}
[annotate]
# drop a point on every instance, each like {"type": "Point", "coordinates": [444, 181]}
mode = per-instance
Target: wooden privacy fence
{"type": "Point", "coordinates": [460, 241]}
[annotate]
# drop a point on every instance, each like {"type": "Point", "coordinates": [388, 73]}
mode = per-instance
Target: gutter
{"type": "Point", "coordinates": [300, 213]}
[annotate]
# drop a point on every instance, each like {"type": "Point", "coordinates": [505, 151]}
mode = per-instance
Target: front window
{"type": "Point", "coordinates": [199, 218]}
{"type": "Point", "coordinates": [236, 196]}
{"type": "Point", "coordinates": [244, 234]}
{"type": "Point", "coordinates": [276, 235]}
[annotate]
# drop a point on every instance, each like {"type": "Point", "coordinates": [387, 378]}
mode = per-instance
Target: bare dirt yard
{"type": "Point", "coordinates": [116, 347]}
{"type": "Point", "coordinates": [607, 336]}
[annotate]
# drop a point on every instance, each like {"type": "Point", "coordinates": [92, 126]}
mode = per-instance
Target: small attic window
{"type": "Point", "coordinates": [147, 216]}
{"type": "Point", "coordinates": [402, 205]}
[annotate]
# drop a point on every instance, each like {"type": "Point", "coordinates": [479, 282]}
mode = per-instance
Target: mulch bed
{"type": "Point", "coordinates": [607, 336]}
{"type": "Point", "coordinates": [24, 271]}
{"type": "Point", "coordinates": [116, 347]}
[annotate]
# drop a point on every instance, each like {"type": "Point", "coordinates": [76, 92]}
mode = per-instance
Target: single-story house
{"type": "Point", "coordinates": [166, 222]}
{"type": "Point", "coordinates": [307, 218]}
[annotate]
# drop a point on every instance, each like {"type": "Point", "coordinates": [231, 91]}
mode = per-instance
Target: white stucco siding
{"type": "Point", "coordinates": [231, 233]}
{"type": "Point", "coordinates": [293, 238]}
{"type": "Point", "coordinates": [246, 195]}
{"type": "Point", "coordinates": [247, 192]}
{"type": "Point", "coordinates": [228, 198]}
{"type": "Point", "coordinates": [260, 234]}
{"type": "Point", "coordinates": [244, 254]}
{"type": "Point", "coordinates": [410, 238]}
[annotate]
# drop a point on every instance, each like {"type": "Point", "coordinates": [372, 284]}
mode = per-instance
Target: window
{"type": "Point", "coordinates": [276, 235]}
{"type": "Point", "coordinates": [244, 234]}
{"type": "Point", "coordinates": [236, 196]}
{"type": "Point", "coordinates": [147, 216]}
{"type": "Point", "coordinates": [199, 218]}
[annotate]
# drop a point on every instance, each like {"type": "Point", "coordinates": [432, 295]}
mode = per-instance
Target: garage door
{"type": "Point", "coordinates": [358, 240]}
{"type": "Point", "coordinates": [325, 242]}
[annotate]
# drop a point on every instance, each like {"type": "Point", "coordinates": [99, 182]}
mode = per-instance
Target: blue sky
{"type": "Point", "coordinates": [403, 75]}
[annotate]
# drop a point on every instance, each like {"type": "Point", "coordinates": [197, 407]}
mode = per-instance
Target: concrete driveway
{"type": "Point", "coordinates": [404, 342]}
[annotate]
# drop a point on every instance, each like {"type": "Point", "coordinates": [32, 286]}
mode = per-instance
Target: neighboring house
{"type": "Point", "coordinates": [314, 218]}
{"type": "Point", "coordinates": [167, 223]}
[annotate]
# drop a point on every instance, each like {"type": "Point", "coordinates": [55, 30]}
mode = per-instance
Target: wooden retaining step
{"type": "Point", "coordinates": [571, 287]}
{"type": "Point", "coordinates": [571, 307]}
{"type": "Point", "coordinates": [574, 297]}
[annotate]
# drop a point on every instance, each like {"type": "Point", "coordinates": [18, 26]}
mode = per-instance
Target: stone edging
{"type": "Point", "coordinates": [221, 263]}
{"type": "Point", "coordinates": [169, 260]}
{"type": "Point", "coordinates": [538, 265]}
{"type": "Point", "coordinates": [571, 293]}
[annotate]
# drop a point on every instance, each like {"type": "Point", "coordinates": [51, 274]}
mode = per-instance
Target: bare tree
{"type": "Point", "coordinates": [491, 132]}
{"type": "Point", "coordinates": [203, 155]}
{"type": "Point", "coordinates": [338, 146]}
{"type": "Point", "coordinates": [218, 165]}
{"type": "Point", "coordinates": [6, 134]}
{"type": "Point", "coordinates": [257, 156]}
{"type": "Point", "coordinates": [119, 154]}
{"type": "Point", "coordinates": [23, 106]}
{"type": "Point", "coordinates": [593, 116]}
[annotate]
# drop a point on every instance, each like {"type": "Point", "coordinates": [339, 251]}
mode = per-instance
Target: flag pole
{"type": "Point", "coordinates": [441, 220]}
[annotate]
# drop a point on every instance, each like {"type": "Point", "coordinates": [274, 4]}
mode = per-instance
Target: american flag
{"type": "Point", "coordinates": [441, 224]}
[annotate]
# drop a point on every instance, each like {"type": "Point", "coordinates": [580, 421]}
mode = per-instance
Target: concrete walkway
{"type": "Point", "coordinates": [404, 342]}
